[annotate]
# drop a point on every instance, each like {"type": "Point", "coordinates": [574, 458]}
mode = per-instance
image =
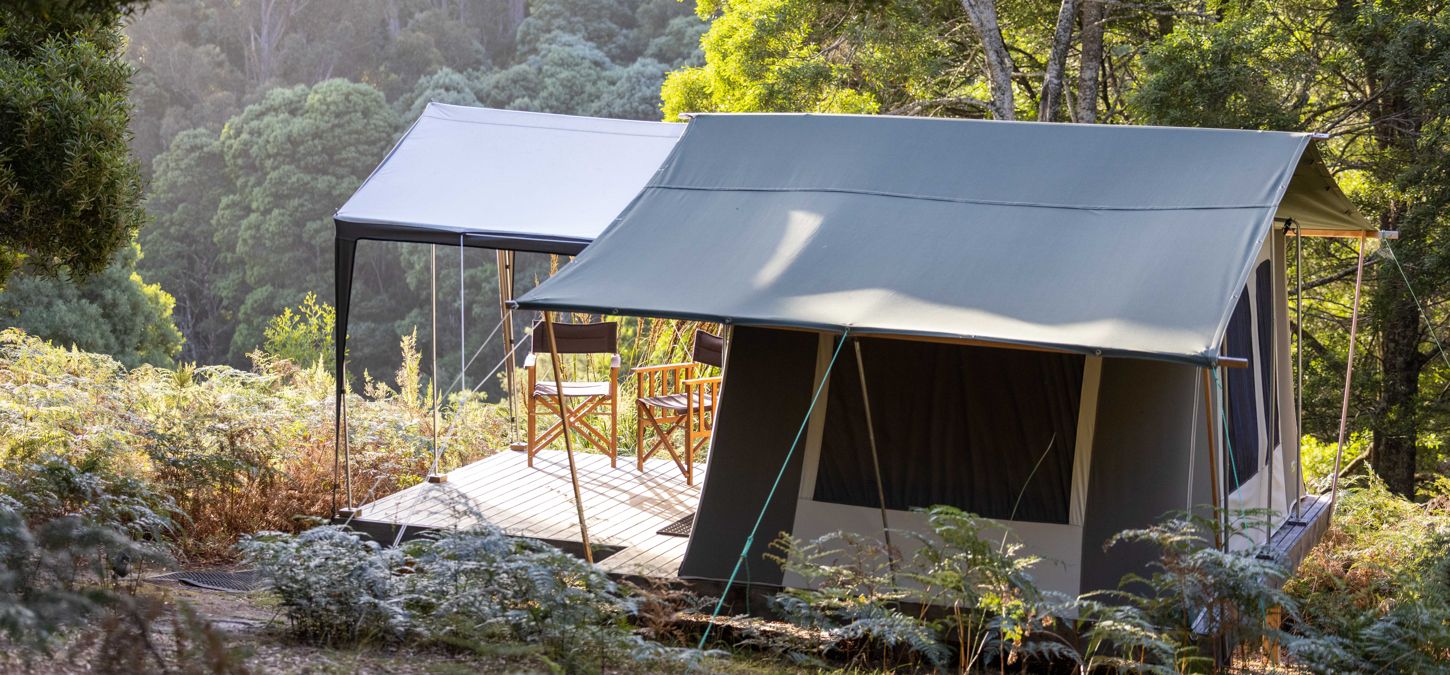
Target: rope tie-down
{"type": "Point", "coordinates": [755, 529]}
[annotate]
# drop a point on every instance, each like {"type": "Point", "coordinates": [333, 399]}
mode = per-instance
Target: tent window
{"type": "Point", "coordinates": [957, 425]}
{"type": "Point", "coordinates": [1264, 318]}
{"type": "Point", "coordinates": [1243, 413]}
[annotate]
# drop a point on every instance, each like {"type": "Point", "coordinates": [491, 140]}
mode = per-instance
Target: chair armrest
{"type": "Point", "coordinates": [697, 381]}
{"type": "Point", "coordinates": [656, 369]}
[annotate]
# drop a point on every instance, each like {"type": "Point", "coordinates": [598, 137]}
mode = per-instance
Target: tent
{"type": "Point", "coordinates": [1032, 322]}
{"type": "Point", "coordinates": [498, 179]}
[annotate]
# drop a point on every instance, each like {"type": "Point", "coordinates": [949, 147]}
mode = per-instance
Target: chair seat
{"type": "Point", "coordinates": [572, 389]}
{"type": "Point", "coordinates": [673, 401]}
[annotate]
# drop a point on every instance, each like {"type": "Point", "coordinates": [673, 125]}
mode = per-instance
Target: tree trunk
{"type": "Point", "coordinates": [1393, 453]}
{"type": "Point", "coordinates": [983, 15]}
{"type": "Point", "coordinates": [1056, 63]}
{"type": "Point", "coordinates": [1091, 14]}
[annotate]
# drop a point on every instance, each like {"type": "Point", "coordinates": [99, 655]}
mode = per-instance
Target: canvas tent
{"type": "Point", "coordinates": [497, 179]}
{"type": "Point", "coordinates": [1038, 308]}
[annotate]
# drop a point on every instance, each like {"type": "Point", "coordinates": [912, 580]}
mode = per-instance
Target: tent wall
{"type": "Point", "coordinates": [1271, 408]}
{"type": "Point", "coordinates": [1058, 542]}
{"type": "Point", "coordinates": [1150, 423]}
{"type": "Point", "coordinates": [770, 377]}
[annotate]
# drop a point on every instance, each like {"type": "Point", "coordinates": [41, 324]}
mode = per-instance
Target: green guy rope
{"type": "Point", "coordinates": [750, 540]}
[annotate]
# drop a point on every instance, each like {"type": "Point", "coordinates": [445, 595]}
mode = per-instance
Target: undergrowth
{"type": "Point", "coordinates": [473, 589]}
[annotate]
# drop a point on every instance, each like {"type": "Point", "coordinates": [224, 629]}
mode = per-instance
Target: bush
{"type": "Point", "coordinates": [234, 451]}
{"type": "Point", "coordinates": [473, 588]}
{"type": "Point", "coordinates": [861, 595]}
{"type": "Point", "coordinates": [334, 587]}
{"type": "Point", "coordinates": [1375, 593]}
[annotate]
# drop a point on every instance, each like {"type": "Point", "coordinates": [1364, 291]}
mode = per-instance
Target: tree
{"type": "Point", "coordinates": [1371, 74]}
{"type": "Point", "coordinates": [113, 312]}
{"type": "Point", "coordinates": [182, 253]}
{"type": "Point", "coordinates": [292, 159]}
{"type": "Point", "coordinates": [69, 191]}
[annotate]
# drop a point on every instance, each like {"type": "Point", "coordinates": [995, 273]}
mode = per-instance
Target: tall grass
{"type": "Point", "coordinates": [230, 451]}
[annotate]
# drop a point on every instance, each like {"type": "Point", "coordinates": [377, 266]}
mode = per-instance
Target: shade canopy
{"type": "Point", "coordinates": [506, 179]}
{"type": "Point", "coordinates": [500, 179]}
{"type": "Point", "coordinates": [1089, 238]}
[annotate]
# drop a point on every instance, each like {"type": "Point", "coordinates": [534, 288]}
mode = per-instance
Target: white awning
{"type": "Point", "coordinates": [506, 179]}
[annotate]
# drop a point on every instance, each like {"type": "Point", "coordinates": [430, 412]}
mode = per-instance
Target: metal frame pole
{"type": "Point", "coordinates": [1348, 377]}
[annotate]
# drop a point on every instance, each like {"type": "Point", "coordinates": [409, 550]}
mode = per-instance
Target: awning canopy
{"type": "Point", "coordinates": [1090, 238]}
{"type": "Point", "coordinates": [506, 179]}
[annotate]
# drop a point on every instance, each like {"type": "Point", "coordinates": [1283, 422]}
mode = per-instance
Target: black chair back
{"type": "Point", "coordinates": [709, 349]}
{"type": "Point", "coordinates": [578, 338]}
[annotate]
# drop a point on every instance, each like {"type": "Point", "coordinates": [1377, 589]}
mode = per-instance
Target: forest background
{"type": "Point", "coordinates": [248, 123]}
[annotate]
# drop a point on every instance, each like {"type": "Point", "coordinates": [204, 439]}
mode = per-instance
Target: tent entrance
{"type": "Point", "coordinates": [987, 430]}
{"type": "Point", "coordinates": [1003, 433]}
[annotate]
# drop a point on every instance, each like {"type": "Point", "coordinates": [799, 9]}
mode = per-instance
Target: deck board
{"type": "Point", "coordinates": [1293, 539]}
{"type": "Point", "coordinates": [623, 506]}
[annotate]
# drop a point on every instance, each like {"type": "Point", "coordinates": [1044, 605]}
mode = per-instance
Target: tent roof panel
{"type": "Point", "coordinates": [506, 179]}
{"type": "Point", "coordinates": [1119, 240]}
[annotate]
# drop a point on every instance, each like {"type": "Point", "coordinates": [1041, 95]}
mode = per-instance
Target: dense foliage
{"type": "Point", "coordinates": [473, 588]}
{"type": "Point", "coordinates": [70, 191]}
{"type": "Point", "coordinates": [234, 451]}
{"type": "Point", "coordinates": [1370, 74]}
{"type": "Point", "coordinates": [252, 147]}
{"type": "Point", "coordinates": [113, 312]}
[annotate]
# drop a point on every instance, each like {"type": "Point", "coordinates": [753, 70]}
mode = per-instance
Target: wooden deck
{"type": "Point", "coordinates": [1294, 538]}
{"type": "Point", "coordinates": [624, 507]}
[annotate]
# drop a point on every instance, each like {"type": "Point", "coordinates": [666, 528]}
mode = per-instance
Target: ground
{"type": "Point", "coordinates": [252, 623]}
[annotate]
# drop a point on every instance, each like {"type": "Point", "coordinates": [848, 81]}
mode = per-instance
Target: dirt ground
{"type": "Point", "coordinates": [250, 624]}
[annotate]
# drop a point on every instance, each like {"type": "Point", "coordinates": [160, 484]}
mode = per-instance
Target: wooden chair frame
{"type": "Point", "coordinates": [587, 406]}
{"type": "Point", "coordinates": [701, 395]}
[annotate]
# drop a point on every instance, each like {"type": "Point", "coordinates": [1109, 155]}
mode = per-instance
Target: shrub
{"type": "Point", "coordinates": [860, 595]}
{"type": "Point", "coordinates": [473, 588]}
{"type": "Point", "coordinates": [334, 587]}
{"type": "Point", "coordinates": [1375, 593]}
{"type": "Point", "coordinates": [234, 451]}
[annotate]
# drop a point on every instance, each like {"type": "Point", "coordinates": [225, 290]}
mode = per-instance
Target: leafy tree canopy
{"type": "Point", "coordinates": [113, 312]}
{"type": "Point", "coordinates": [69, 191]}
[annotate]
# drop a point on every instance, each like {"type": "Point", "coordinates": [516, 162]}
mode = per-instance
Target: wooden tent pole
{"type": "Point", "coordinates": [564, 427]}
{"type": "Point", "coordinates": [1348, 377]}
{"type": "Point", "coordinates": [875, 460]}
{"type": "Point", "coordinates": [1208, 402]}
{"type": "Point", "coordinates": [505, 293]}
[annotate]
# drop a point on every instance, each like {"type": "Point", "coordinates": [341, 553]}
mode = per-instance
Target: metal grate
{"type": "Point", "coordinates": [240, 581]}
{"type": "Point", "coordinates": [679, 528]}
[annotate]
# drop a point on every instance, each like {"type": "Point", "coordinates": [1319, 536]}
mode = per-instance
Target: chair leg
{"type": "Point", "coordinates": [689, 453]}
{"type": "Point", "coordinates": [613, 433]}
{"type": "Point", "coordinates": [533, 431]}
{"type": "Point", "coordinates": [639, 436]}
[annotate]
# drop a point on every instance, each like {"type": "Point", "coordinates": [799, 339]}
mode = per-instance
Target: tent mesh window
{"type": "Point", "coordinates": [1243, 412]}
{"type": "Point", "coordinates": [983, 429]}
{"type": "Point", "coordinates": [1264, 322]}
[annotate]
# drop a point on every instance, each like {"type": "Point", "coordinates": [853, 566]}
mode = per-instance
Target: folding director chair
{"type": "Point", "coordinates": [671, 396]}
{"type": "Point", "coordinates": [582, 400]}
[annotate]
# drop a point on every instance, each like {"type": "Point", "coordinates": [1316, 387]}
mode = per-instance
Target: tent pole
{"type": "Point", "coordinates": [1348, 377]}
{"type": "Point", "coordinates": [344, 257]}
{"type": "Point", "coordinates": [462, 325]}
{"type": "Point", "coordinates": [1299, 354]}
{"type": "Point", "coordinates": [1271, 397]}
{"type": "Point", "coordinates": [1208, 405]}
{"type": "Point", "coordinates": [564, 426]}
{"type": "Point", "coordinates": [505, 293]}
{"type": "Point", "coordinates": [433, 339]}
{"type": "Point", "coordinates": [875, 459]}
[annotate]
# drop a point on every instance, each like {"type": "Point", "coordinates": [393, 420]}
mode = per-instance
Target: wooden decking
{"type": "Point", "coordinates": [624, 507]}
{"type": "Point", "coordinates": [1294, 538]}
